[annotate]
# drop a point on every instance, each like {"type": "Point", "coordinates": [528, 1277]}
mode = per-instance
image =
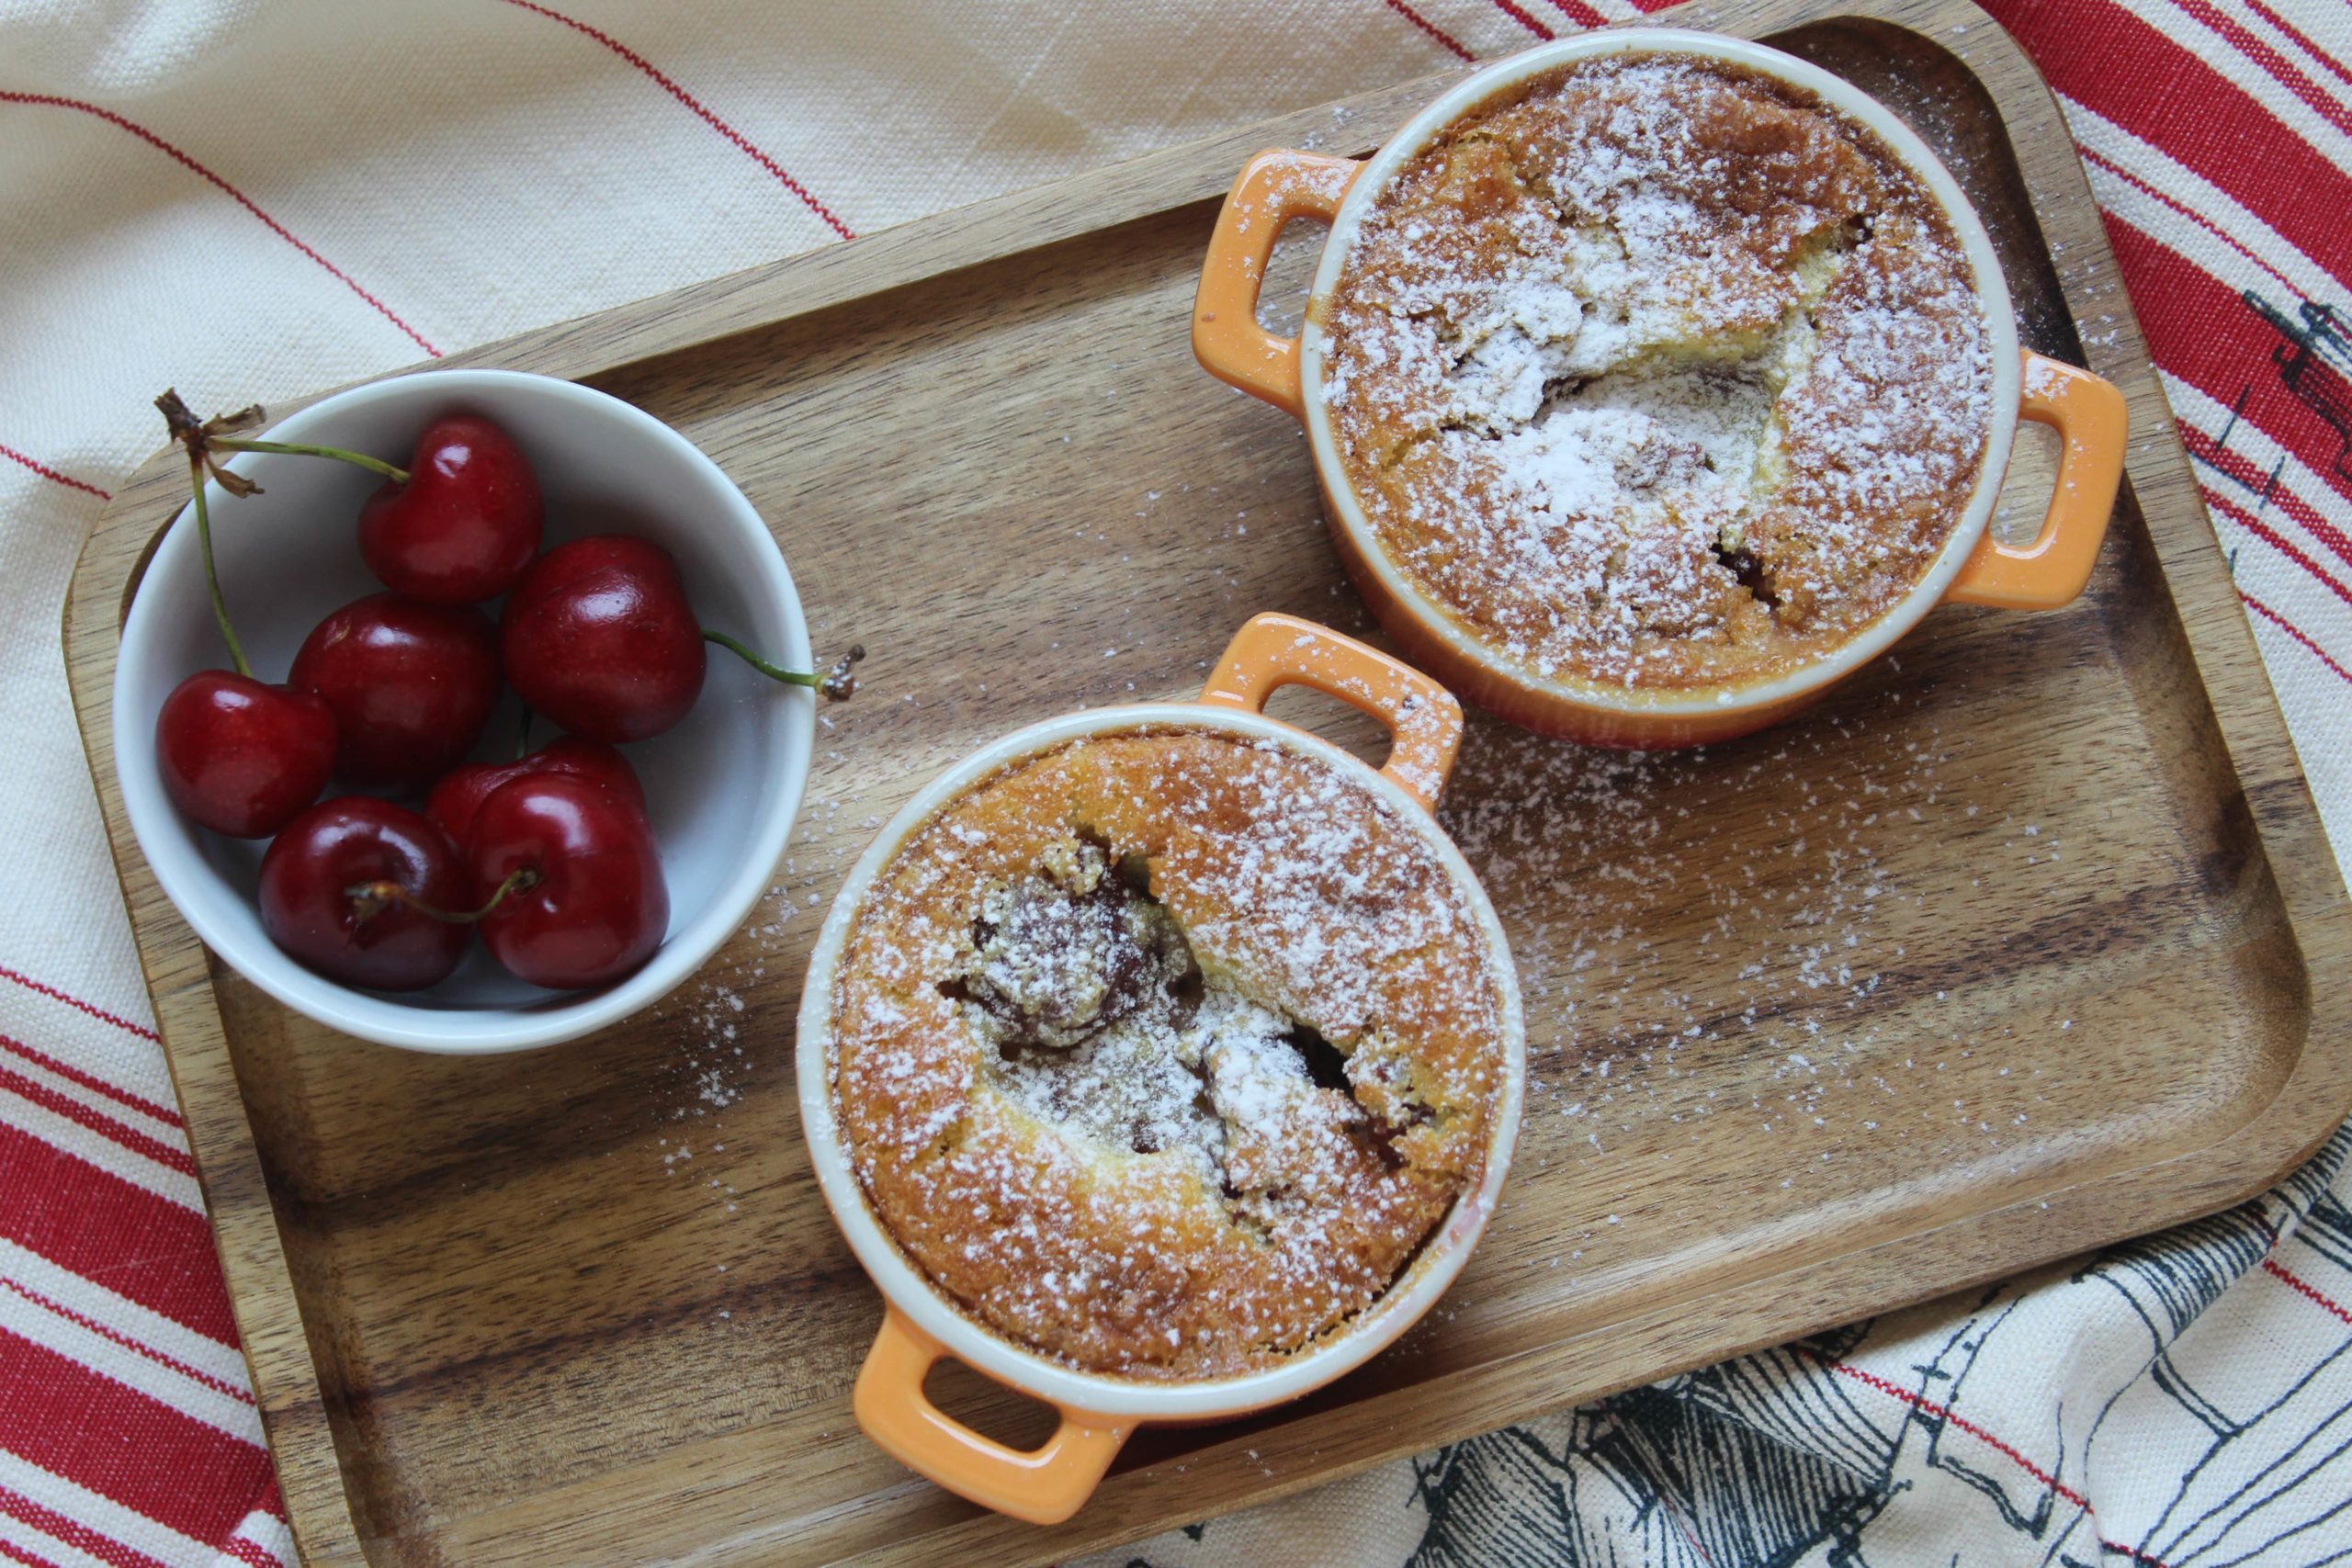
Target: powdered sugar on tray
{"type": "Point", "coordinates": [1749, 948]}
{"type": "Point", "coordinates": [1656, 376]}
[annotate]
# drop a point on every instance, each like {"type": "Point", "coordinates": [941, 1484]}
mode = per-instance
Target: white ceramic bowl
{"type": "Point", "coordinates": [723, 786]}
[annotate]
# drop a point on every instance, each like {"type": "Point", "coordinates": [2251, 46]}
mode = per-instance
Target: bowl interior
{"type": "Point", "coordinates": [722, 786]}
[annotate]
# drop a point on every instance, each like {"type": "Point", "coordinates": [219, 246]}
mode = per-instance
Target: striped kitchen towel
{"type": "Point", "coordinates": [255, 198]}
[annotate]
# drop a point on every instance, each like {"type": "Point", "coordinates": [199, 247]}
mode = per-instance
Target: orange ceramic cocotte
{"type": "Point", "coordinates": [1099, 1413]}
{"type": "Point", "coordinates": [1973, 567]}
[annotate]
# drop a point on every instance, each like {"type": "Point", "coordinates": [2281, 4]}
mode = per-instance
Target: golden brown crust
{"type": "Point", "coordinates": [1655, 373]}
{"type": "Point", "coordinates": [1122, 1160]}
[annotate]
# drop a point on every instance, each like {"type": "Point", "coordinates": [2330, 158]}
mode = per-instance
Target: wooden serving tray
{"type": "Point", "coordinates": [2005, 951]}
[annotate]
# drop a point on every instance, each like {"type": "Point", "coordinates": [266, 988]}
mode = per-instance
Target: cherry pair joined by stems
{"type": "Point", "coordinates": [457, 526]}
{"type": "Point", "coordinates": [387, 690]}
{"type": "Point", "coordinates": [559, 874]}
{"type": "Point", "coordinates": [237, 755]}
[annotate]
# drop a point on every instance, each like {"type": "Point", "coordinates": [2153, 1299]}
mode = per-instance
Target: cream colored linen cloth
{"type": "Point", "coordinates": [255, 198]}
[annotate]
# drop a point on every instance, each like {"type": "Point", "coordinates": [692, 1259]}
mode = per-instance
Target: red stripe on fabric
{"type": "Point", "coordinates": [2276, 65]}
{"type": "Point", "coordinates": [2275, 540]}
{"type": "Point", "coordinates": [136, 1348]}
{"type": "Point", "coordinates": [95, 1120]}
{"type": "Point", "coordinates": [2270, 1266]}
{"type": "Point", "coordinates": [2200, 118]}
{"type": "Point", "coordinates": [135, 1450]}
{"type": "Point", "coordinates": [2205, 335]}
{"type": "Point", "coordinates": [73, 1532]}
{"type": "Point", "coordinates": [2305, 44]}
{"type": "Point", "coordinates": [2203, 447]}
{"type": "Point", "coordinates": [2192, 215]}
{"type": "Point", "coordinates": [140, 131]}
{"type": "Point", "coordinates": [1944, 1414]}
{"type": "Point", "coordinates": [45, 471]}
{"type": "Point", "coordinates": [91, 1081]}
{"type": "Point", "coordinates": [1429, 26]}
{"type": "Point", "coordinates": [253, 1551]}
{"type": "Point", "coordinates": [2292, 630]}
{"type": "Point", "coordinates": [113, 1233]}
{"type": "Point", "coordinates": [1926, 1406]}
{"type": "Point", "coordinates": [742, 143]}
{"type": "Point", "coordinates": [1521, 14]}
{"type": "Point", "coordinates": [2221, 500]}
{"type": "Point", "coordinates": [77, 1004]}
{"type": "Point", "coordinates": [15, 1554]}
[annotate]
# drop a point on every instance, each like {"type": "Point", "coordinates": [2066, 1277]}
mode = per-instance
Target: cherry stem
{"type": "Point", "coordinates": [298, 449]}
{"type": "Point", "coordinates": [373, 897]}
{"type": "Point", "coordinates": [837, 683]}
{"type": "Point", "coordinates": [523, 737]}
{"type": "Point", "coordinates": [211, 575]}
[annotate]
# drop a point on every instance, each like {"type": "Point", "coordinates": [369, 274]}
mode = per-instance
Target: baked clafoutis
{"type": "Point", "coordinates": [1162, 1052]}
{"type": "Point", "coordinates": [1655, 373]}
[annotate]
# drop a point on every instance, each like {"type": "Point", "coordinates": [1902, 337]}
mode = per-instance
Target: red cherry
{"type": "Point", "coordinates": [598, 638]}
{"type": "Point", "coordinates": [459, 795]}
{"type": "Point", "coordinates": [316, 903]}
{"type": "Point", "coordinates": [239, 757]}
{"type": "Point", "coordinates": [598, 908]}
{"type": "Point", "coordinates": [411, 684]}
{"type": "Point", "coordinates": [465, 524]}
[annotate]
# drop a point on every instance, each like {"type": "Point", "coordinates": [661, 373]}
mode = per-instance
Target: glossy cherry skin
{"type": "Point", "coordinates": [411, 684]}
{"type": "Point", "coordinates": [459, 795]}
{"type": "Point", "coordinates": [600, 906]}
{"type": "Point", "coordinates": [239, 757]}
{"type": "Point", "coordinates": [465, 524]}
{"type": "Point", "coordinates": [599, 638]}
{"type": "Point", "coordinates": [308, 908]}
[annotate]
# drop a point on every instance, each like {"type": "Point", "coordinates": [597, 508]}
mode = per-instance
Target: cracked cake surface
{"type": "Point", "coordinates": [1657, 373]}
{"type": "Point", "coordinates": [1161, 1052]}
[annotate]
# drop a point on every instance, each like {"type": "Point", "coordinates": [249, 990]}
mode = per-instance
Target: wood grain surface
{"type": "Point", "coordinates": [2003, 953]}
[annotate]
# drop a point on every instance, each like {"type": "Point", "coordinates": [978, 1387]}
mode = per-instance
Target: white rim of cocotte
{"type": "Point", "coordinates": [1991, 289]}
{"type": "Point", "coordinates": [903, 1283]}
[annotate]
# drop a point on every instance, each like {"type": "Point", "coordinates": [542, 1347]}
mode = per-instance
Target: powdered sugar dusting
{"type": "Point", "coordinates": [1163, 1052]}
{"type": "Point", "coordinates": [1655, 376]}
